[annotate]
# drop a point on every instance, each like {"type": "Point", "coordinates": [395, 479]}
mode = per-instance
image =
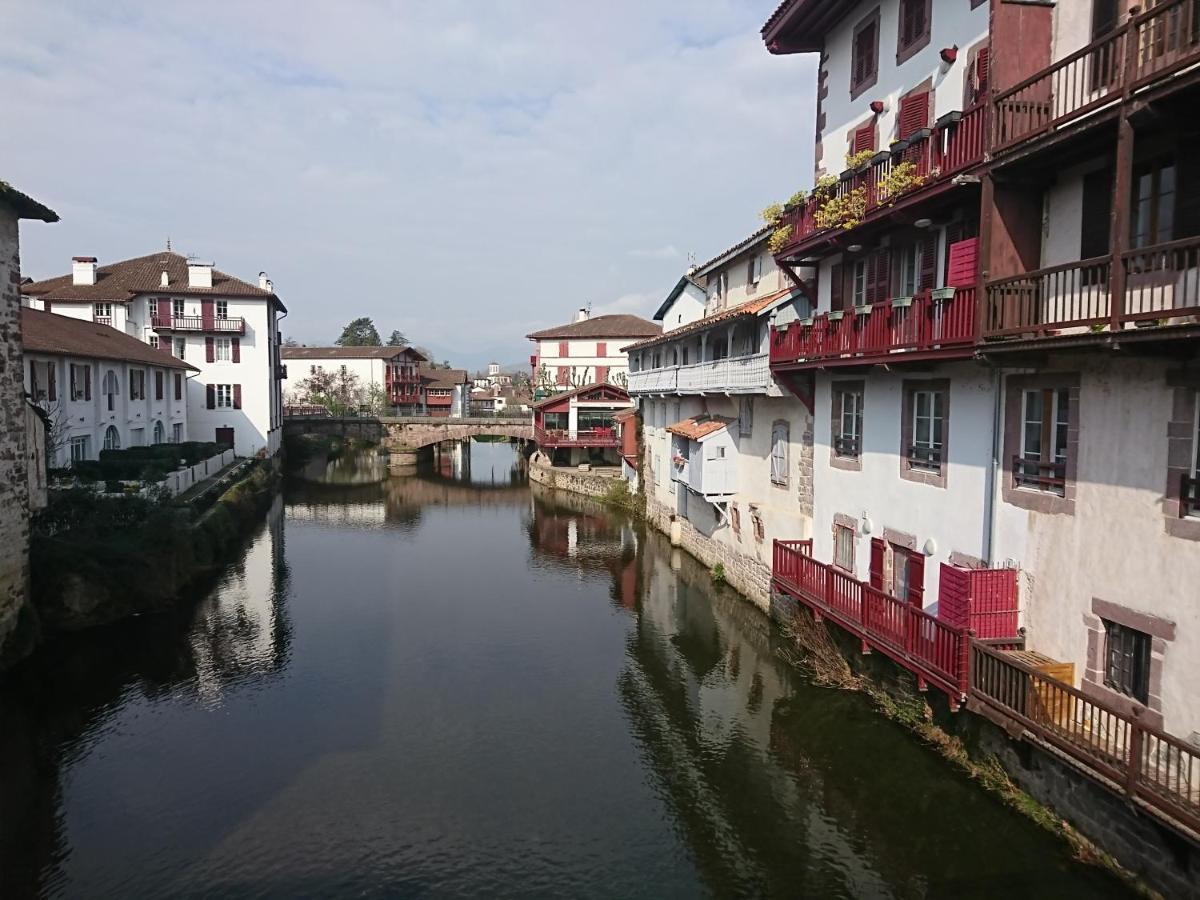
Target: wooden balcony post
{"type": "Point", "coordinates": [1134, 771]}
{"type": "Point", "coordinates": [1122, 183]}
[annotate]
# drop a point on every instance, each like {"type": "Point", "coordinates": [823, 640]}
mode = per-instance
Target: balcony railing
{"type": "Point", "coordinates": [589, 437]}
{"type": "Point", "coordinates": [904, 325]}
{"type": "Point", "coordinates": [1145, 49]}
{"type": "Point", "coordinates": [103, 320]}
{"type": "Point", "coordinates": [732, 375]}
{"type": "Point", "coordinates": [1162, 286]}
{"type": "Point", "coordinates": [654, 381]}
{"type": "Point", "coordinates": [1041, 476]}
{"type": "Point", "coordinates": [233, 324]}
{"type": "Point", "coordinates": [936, 154]}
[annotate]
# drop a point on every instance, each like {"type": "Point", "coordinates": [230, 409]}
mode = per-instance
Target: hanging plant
{"type": "Point", "coordinates": [823, 189]}
{"type": "Point", "coordinates": [773, 214]}
{"type": "Point", "coordinates": [844, 211]}
{"type": "Point", "coordinates": [780, 238]}
{"type": "Point", "coordinates": [902, 178]}
{"type": "Point", "coordinates": [859, 159]}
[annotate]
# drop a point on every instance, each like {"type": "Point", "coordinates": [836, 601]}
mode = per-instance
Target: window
{"type": "Point", "coordinates": [928, 424]}
{"type": "Point", "coordinates": [102, 312]}
{"type": "Point", "coordinates": [847, 421]}
{"type": "Point", "coordinates": [222, 307]}
{"type": "Point", "coordinates": [753, 270]}
{"type": "Point", "coordinates": [177, 307]}
{"type": "Point", "coordinates": [1191, 495]}
{"type": "Point", "coordinates": [900, 571]}
{"type": "Point", "coordinates": [224, 348]}
{"type": "Point", "coordinates": [914, 113]}
{"type": "Point", "coordinates": [80, 448]}
{"type": "Point", "coordinates": [843, 547]}
{"type": "Point", "coordinates": [779, 453]}
{"type": "Point", "coordinates": [180, 346]}
{"type": "Point", "coordinates": [137, 384]}
{"type": "Point", "coordinates": [864, 55]}
{"type": "Point", "coordinates": [1152, 207]}
{"type": "Point", "coordinates": [977, 76]}
{"type": "Point", "coordinates": [137, 437]}
{"type": "Point", "coordinates": [602, 349]}
{"type": "Point", "coordinates": [112, 438]}
{"type": "Point", "coordinates": [1042, 460]}
{"type": "Point", "coordinates": [154, 341]}
{"type": "Point", "coordinates": [1127, 660]}
{"type": "Point", "coordinates": [81, 382]}
{"type": "Point", "coordinates": [858, 293]}
{"type": "Point", "coordinates": [111, 388]}
{"type": "Point", "coordinates": [915, 16]}
{"type": "Point", "coordinates": [564, 349]}
{"type": "Point", "coordinates": [160, 433]}
{"type": "Point", "coordinates": [760, 531]}
{"type": "Point", "coordinates": [910, 266]}
{"type": "Point", "coordinates": [746, 416]}
{"type": "Point", "coordinates": [177, 433]}
{"type": "Point", "coordinates": [224, 396]}
{"type": "Point", "coordinates": [864, 138]}
{"type": "Point", "coordinates": [158, 385]}
{"type": "Point", "coordinates": [178, 386]}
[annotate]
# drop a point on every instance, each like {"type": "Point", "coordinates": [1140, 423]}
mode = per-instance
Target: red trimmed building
{"type": "Point", "coordinates": [580, 425]}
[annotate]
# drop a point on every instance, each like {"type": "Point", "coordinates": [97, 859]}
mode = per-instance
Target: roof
{"type": "Point", "coordinates": [444, 378]}
{"type": "Point", "coordinates": [759, 236]}
{"type": "Point", "coordinates": [800, 26]}
{"type": "Point", "coordinates": [620, 325]}
{"type": "Point", "coordinates": [121, 281]}
{"type": "Point", "coordinates": [624, 395]}
{"type": "Point", "coordinates": [697, 428]}
{"type": "Point", "coordinates": [43, 332]}
{"type": "Point", "coordinates": [749, 308]}
{"type": "Point", "coordinates": [349, 353]}
{"type": "Point", "coordinates": [675, 292]}
{"type": "Point", "coordinates": [25, 206]}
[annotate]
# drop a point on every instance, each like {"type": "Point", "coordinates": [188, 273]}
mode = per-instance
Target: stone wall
{"type": "Point", "coordinates": [14, 485]}
{"type": "Point", "coordinates": [408, 433]}
{"type": "Point", "coordinates": [589, 484]}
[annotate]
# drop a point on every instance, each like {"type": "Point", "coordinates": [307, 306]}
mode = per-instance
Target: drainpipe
{"type": "Point", "coordinates": [994, 469]}
{"type": "Point", "coordinates": [278, 363]}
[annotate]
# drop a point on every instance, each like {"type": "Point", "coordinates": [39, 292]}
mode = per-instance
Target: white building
{"type": "Point", "coordinates": [225, 327]}
{"type": "Point", "coordinates": [394, 371]}
{"type": "Point", "coordinates": [100, 388]}
{"type": "Point", "coordinates": [587, 351]}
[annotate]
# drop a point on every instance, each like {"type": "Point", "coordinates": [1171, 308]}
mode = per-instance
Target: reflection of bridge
{"type": "Point", "coordinates": [410, 433]}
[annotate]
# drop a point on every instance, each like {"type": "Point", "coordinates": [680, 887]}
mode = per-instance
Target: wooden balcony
{"type": "Point", "coordinates": [732, 375]}
{"type": "Point", "coordinates": [560, 437]}
{"type": "Point", "coordinates": [1144, 51]}
{"type": "Point", "coordinates": [937, 154]}
{"type": "Point", "coordinates": [920, 327]}
{"type": "Point", "coordinates": [231, 325]}
{"type": "Point", "coordinates": [1162, 287]}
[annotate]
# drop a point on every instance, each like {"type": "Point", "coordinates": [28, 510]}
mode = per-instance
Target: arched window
{"type": "Point", "coordinates": [111, 388]}
{"type": "Point", "coordinates": [112, 438]}
{"type": "Point", "coordinates": [160, 433]}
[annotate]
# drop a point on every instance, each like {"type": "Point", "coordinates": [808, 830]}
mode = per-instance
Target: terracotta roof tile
{"type": "Point", "coordinates": [742, 245]}
{"type": "Point", "coordinates": [444, 378]}
{"type": "Point", "coordinates": [618, 326]}
{"type": "Point", "coordinates": [749, 308]}
{"type": "Point", "coordinates": [43, 332]}
{"type": "Point", "coordinates": [623, 395]}
{"type": "Point", "coordinates": [348, 352]}
{"type": "Point", "coordinates": [699, 427]}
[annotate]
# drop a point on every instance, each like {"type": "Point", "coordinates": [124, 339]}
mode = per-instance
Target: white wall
{"type": "Point", "coordinates": [368, 371]}
{"type": "Point", "coordinates": [686, 308]}
{"type": "Point", "coordinates": [582, 355]}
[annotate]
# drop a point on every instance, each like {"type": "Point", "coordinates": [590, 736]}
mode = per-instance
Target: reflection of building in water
{"type": "Point", "coordinates": [452, 459]}
{"type": "Point", "coordinates": [240, 628]}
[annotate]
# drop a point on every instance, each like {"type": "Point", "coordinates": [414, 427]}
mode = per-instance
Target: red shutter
{"type": "Point", "coordinates": [836, 286]}
{"type": "Point", "coordinates": [601, 374]}
{"type": "Point", "coordinates": [87, 382]}
{"type": "Point", "coordinates": [164, 311]}
{"type": "Point", "coordinates": [562, 376]}
{"type": "Point", "coordinates": [211, 392]}
{"type": "Point", "coordinates": [237, 396]}
{"type": "Point", "coordinates": [877, 548]}
{"type": "Point", "coordinates": [962, 259]}
{"type": "Point", "coordinates": [164, 343]}
{"type": "Point", "coordinates": [564, 349]}
{"type": "Point", "coordinates": [914, 113]}
{"type": "Point", "coordinates": [982, 71]}
{"type": "Point", "coordinates": [928, 262]}
{"type": "Point", "coordinates": [178, 386]}
{"type": "Point", "coordinates": [51, 381]}
{"type": "Point", "coordinates": [879, 276]}
{"type": "Point", "coordinates": [158, 385]}
{"type": "Point", "coordinates": [207, 316]}
{"type": "Point", "coordinates": [602, 349]}
{"type": "Point", "coordinates": [916, 579]}
{"type": "Point", "coordinates": [210, 352]}
{"type": "Point", "coordinates": [236, 354]}
{"type": "Point", "coordinates": [864, 139]}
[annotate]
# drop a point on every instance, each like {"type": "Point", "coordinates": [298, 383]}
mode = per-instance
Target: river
{"type": "Point", "coordinates": [454, 684]}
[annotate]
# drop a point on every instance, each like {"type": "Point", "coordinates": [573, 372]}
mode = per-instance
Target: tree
{"type": "Point", "coordinates": [360, 333]}
{"type": "Point", "coordinates": [336, 390]}
{"type": "Point", "coordinates": [397, 339]}
{"type": "Point", "coordinates": [290, 342]}
{"type": "Point", "coordinates": [375, 400]}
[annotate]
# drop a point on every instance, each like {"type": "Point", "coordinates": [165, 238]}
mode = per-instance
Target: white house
{"type": "Point", "coordinates": [395, 371]}
{"type": "Point", "coordinates": [587, 351]}
{"type": "Point", "coordinates": [100, 388]}
{"type": "Point", "coordinates": [225, 327]}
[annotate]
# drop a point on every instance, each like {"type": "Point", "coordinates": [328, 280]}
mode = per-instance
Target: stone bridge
{"type": "Point", "coordinates": [409, 434]}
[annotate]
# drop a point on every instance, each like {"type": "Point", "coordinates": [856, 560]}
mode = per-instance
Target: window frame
{"type": "Point", "coordinates": [844, 539]}
{"type": "Point", "coordinates": [868, 79]}
{"type": "Point", "coordinates": [1013, 492]}
{"type": "Point", "coordinates": [112, 438]}
{"type": "Point", "coordinates": [918, 41]}
{"type": "Point", "coordinates": [178, 307]}
{"type": "Point", "coordinates": [221, 309]}
{"type": "Point", "coordinates": [223, 392]}
{"type": "Point", "coordinates": [80, 441]}
{"type": "Point", "coordinates": [1127, 660]}
{"type": "Point", "coordinates": [779, 452]}
{"type": "Point", "coordinates": [226, 344]}
{"type": "Point", "coordinates": [925, 461]}
{"type": "Point", "coordinates": [1049, 427]}
{"type": "Point", "coordinates": [841, 455]}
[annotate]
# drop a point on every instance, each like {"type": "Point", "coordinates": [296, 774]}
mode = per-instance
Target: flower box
{"type": "Point", "coordinates": [836, 315]}
{"type": "Point", "coordinates": [943, 293]}
{"type": "Point", "coordinates": [901, 302]}
{"type": "Point", "coordinates": [864, 310]}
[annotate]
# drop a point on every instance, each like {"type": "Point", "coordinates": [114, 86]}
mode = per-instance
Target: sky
{"type": "Point", "coordinates": [465, 172]}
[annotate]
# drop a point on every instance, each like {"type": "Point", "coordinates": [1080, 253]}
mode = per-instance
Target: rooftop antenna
{"type": "Point", "coordinates": [168, 243]}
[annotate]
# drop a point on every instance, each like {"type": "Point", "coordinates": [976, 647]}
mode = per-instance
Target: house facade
{"type": "Point", "coordinates": [227, 328]}
{"type": "Point", "coordinates": [394, 373]}
{"type": "Point", "coordinates": [581, 425]}
{"type": "Point", "coordinates": [1002, 358]}
{"type": "Point", "coordinates": [727, 446]}
{"type": "Point", "coordinates": [101, 389]}
{"type": "Point", "coordinates": [447, 392]}
{"type": "Point", "coordinates": [586, 351]}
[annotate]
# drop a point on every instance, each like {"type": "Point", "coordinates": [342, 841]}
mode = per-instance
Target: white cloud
{"type": "Point", "coordinates": [449, 169]}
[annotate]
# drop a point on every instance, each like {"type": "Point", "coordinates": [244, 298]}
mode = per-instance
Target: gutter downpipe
{"type": "Point", "coordinates": [989, 519]}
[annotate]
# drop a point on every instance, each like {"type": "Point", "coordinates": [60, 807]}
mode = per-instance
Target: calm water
{"type": "Point", "coordinates": [447, 685]}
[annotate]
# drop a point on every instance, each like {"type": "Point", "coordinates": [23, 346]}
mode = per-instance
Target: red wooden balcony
{"type": "Point", "coordinates": [928, 647]}
{"type": "Point", "coordinates": [936, 154]}
{"type": "Point", "coordinates": [1144, 50]}
{"type": "Point", "coordinates": [1162, 287]}
{"type": "Point", "coordinates": [231, 325]}
{"type": "Point", "coordinates": [594, 437]}
{"type": "Point", "coordinates": [858, 336]}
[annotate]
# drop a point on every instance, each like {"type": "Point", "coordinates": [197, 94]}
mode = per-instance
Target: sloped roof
{"type": "Point", "coordinates": [124, 280]}
{"type": "Point", "coordinates": [679, 288]}
{"type": "Point", "coordinates": [740, 247]}
{"type": "Point", "coordinates": [444, 378]}
{"type": "Point", "coordinates": [749, 308]}
{"type": "Point", "coordinates": [697, 428]}
{"type": "Point", "coordinates": [799, 26]}
{"type": "Point", "coordinates": [557, 398]}
{"type": "Point", "coordinates": [25, 206]}
{"type": "Point", "coordinates": [349, 353]}
{"type": "Point", "coordinates": [43, 332]}
{"type": "Point", "coordinates": [620, 325]}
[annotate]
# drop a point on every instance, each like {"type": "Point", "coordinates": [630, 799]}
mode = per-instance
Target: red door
{"type": "Point", "coordinates": [225, 436]}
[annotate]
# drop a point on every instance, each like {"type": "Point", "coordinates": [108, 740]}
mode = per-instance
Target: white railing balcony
{"type": "Point", "coordinates": [733, 375]}
{"type": "Point", "coordinates": [653, 381]}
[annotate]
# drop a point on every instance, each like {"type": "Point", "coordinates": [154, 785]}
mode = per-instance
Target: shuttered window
{"type": "Point", "coordinates": [836, 286]}
{"type": "Point", "coordinates": [914, 113]}
{"type": "Point", "coordinates": [879, 276]}
{"type": "Point", "coordinates": [864, 54]}
{"type": "Point", "coordinates": [843, 548]}
{"type": "Point", "coordinates": [915, 16]}
{"type": "Point", "coordinates": [779, 453]}
{"type": "Point", "coordinates": [864, 139]}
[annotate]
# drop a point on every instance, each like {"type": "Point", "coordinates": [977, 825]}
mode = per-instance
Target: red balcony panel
{"type": "Point", "coordinates": [596, 437]}
{"type": "Point", "coordinates": [231, 325]}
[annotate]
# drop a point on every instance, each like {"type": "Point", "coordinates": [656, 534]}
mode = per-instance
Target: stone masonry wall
{"type": "Point", "coordinates": [14, 487]}
{"type": "Point", "coordinates": [587, 483]}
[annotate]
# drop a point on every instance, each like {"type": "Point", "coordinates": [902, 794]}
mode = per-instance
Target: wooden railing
{"type": "Point", "coordinates": [933, 650]}
{"type": "Point", "coordinates": [1042, 476]}
{"type": "Point", "coordinates": [1150, 765]}
{"type": "Point", "coordinates": [1161, 283]}
{"type": "Point", "coordinates": [234, 324]}
{"type": "Point", "coordinates": [893, 326]}
{"type": "Point", "coordinates": [561, 437]}
{"type": "Point", "coordinates": [1167, 38]}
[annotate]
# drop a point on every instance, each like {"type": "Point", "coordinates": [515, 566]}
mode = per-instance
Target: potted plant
{"type": "Point", "coordinates": [835, 315]}
{"type": "Point", "coordinates": [901, 302]}
{"type": "Point", "coordinates": [943, 293]}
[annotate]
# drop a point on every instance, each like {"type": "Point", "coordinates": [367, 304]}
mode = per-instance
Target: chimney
{"type": "Point", "coordinates": [264, 283]}
{"type": "Point", "coordinates": [165, 279]}
{"type": "Point", "coordinates": [582, 315]}
{"type": "Point", "coordinates": [199, 273]}
{"type": "Point", "coordinates": [83, 270]}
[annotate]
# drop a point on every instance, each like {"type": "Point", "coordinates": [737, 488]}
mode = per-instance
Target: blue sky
{"type": "Point", "coordinates": [463, 171]}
